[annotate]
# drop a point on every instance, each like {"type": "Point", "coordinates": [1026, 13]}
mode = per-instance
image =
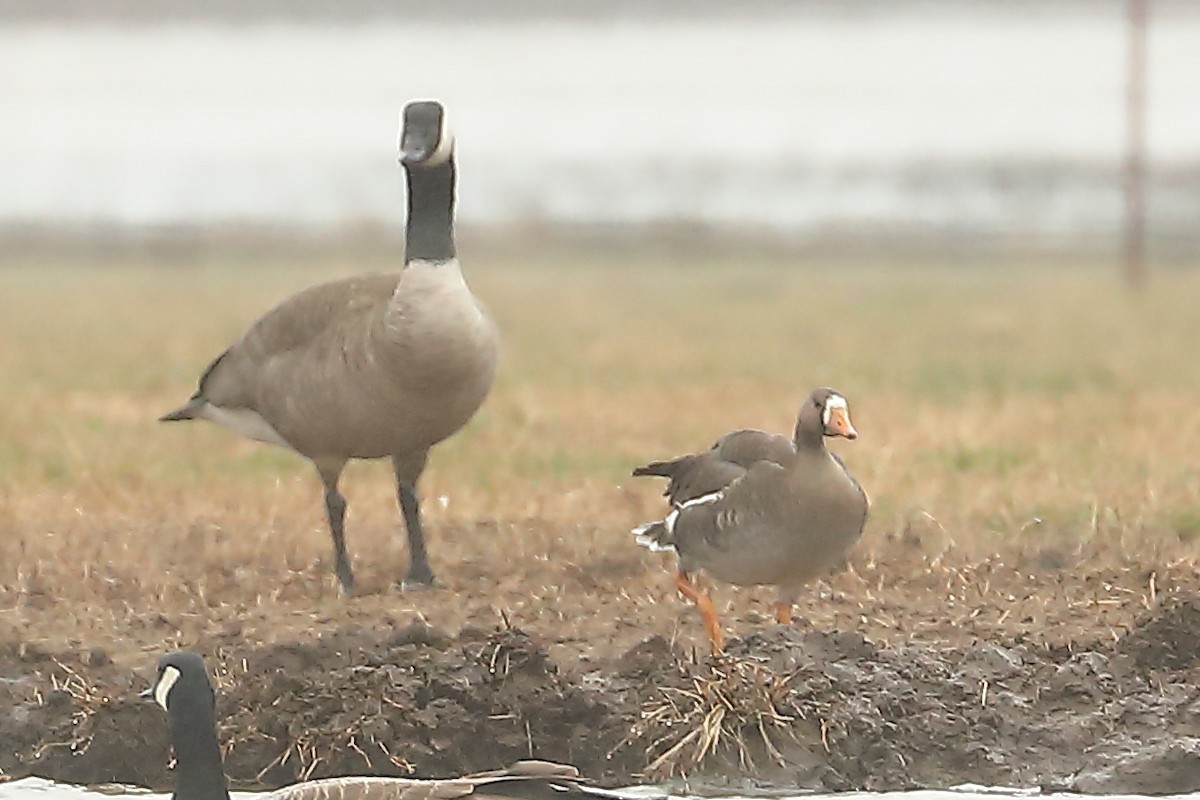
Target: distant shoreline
{"type": "Point", "coordinates": [364, 11]}
{"type": "Point", "coordinates": [35, 244]}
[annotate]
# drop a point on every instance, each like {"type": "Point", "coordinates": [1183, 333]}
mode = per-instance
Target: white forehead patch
{"type": "Point", "coordinates": [162, 689]}
{"type": "Point", "coordinates": [832, 402]}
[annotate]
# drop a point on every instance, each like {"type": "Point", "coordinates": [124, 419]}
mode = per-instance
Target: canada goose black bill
{"type": "Point", "coordinates": [373, 366]}
{"type": "Point", "coordinates": [183, 689]}
{"type": "Point", "coordinates": [758, 510]}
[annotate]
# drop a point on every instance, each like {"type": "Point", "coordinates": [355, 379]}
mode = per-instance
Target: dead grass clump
{"type": "Point", "coordinates": [67, 686]}
{"type": "Point", "coordinates": [732, 707]}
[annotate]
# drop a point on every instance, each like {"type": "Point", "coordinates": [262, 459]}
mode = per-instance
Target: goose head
{"type": "Point", "coordinates": [824, 413]}
{"type": "Point", "coordinates": [425, 138]}
{"type": "Point", "coordinates": [182, 683]}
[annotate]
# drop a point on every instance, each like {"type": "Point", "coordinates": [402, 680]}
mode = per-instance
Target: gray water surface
{"type": "Point", "coordinates": [789, 120]}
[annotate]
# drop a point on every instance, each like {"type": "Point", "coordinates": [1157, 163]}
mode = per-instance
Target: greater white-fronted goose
{"type": "Point", "coordinates": [183, 689]}
{"type": "Point", "coordinates": [368, 367]}
{"type": "Point", "coordinates": [757, 509]}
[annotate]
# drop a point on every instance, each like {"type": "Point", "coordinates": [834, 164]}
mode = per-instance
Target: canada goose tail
{"type": "Point", "coordinates": [655, 536]}
{"type": "Point", "coordinates": [190, 410]}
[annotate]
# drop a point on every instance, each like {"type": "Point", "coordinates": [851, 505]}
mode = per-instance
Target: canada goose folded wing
{"type": "Point", "coordinates": [328, 322]}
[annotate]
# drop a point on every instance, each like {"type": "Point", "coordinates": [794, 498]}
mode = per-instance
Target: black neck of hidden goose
{"type": "Point", "coordinates": [430, 231]}
{"type": "Point", "coordinates": [199, 774]}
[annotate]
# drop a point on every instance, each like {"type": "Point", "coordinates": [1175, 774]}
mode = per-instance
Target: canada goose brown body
{"type": "Point", "coordinates": [183, 689]}
{"type": "Point", "coordinates": [365, 367]}
{"type": "Point", "coordinates": [371, 366]}
{"type": "Point", "coordinates": [758, 510]}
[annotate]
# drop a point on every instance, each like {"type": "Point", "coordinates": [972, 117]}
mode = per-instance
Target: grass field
{"type": "Point", "coordinates": [1030, 440]}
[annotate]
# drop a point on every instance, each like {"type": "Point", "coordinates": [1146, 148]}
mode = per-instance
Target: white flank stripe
{"type": "Point", "coordinates": [711, 497]}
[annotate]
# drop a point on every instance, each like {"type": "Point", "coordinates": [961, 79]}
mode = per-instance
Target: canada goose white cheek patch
{"type": "Point", "coordinates": [162, 689]}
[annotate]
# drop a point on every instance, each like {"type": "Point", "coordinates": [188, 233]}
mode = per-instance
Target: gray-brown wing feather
{"type": "Point", "coordinates": [698, 474]}
{"type": "Point", "coordinates": [743, 506]}
{"type": "Point", "coordinates": [320, 321]}
{"type": "Point", "coordinates": [747, 446]}
{"type": "Point", "coordinates": [692, 476]}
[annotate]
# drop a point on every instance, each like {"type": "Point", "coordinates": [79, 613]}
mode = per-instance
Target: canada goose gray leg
{"type": "Point", "coordinates": [408, 469]}
{"type": "Point", "coordinates": [335, 509]}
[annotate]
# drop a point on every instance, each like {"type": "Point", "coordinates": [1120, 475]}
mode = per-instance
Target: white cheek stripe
{"type": "Point", "coordinates": [162, 689]}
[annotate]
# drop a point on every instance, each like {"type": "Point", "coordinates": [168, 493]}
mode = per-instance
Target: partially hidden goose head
{"type": "Point", "coordinates": [759, 509]}
{"type": "Point", "coordinates": [425, 137]}
{"type": "Point", "coordinates": [182, 688]}
{"type": "Point", "coordinates": [183, 671]}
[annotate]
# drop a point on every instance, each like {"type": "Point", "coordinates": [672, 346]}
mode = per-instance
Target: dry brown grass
{"type": "Point", "coordinates": [1029, 441]}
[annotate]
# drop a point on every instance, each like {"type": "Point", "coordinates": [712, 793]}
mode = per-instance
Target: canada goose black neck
{"type": "Point", "coordinates": [199, 774]}
{"type": "Point", "coordinates": [430, 229]}
{"type": "Point", "coordinates": [184, 690]}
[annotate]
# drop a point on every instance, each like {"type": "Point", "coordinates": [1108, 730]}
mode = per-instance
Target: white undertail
{"type": "Point", "coordinates": [656, 536]}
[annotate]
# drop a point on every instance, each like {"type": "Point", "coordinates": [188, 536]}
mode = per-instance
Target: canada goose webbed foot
{"type": "Point", "coordinates": [419, 576]}
{"type": "Point", "coordinates": [345, 579]}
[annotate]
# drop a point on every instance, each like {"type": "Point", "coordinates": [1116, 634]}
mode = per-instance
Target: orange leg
{"type": "Point", "coordinates": [783, 612]}
{"type": "Point", "coordinates": [708, 612]}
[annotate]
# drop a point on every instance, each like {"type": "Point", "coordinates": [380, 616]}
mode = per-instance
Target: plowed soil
{"type": "Point", "coordinates": [1078, 678]}
{"type": "Point", "coordinates": [1022, 609]}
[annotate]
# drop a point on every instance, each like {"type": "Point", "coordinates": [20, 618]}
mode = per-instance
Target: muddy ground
{"type": "Point", "coordinates": [1097, 696]}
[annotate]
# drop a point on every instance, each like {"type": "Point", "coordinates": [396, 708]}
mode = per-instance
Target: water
{"type": "Point", "coordinates": [39, 789]}
{"type": "Point", "coordinates": [967, 117]}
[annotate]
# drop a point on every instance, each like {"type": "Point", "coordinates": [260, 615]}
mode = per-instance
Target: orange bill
{"type": "Point", "coordinates": [839, 424]}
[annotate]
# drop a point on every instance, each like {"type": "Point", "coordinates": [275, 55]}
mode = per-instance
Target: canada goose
{"type": "Point", "coordinates": [184, 691]}
{"type": "Point", "coordinates": [757, 509]}
{"type": "Point", "coordinates": [371, 366]}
